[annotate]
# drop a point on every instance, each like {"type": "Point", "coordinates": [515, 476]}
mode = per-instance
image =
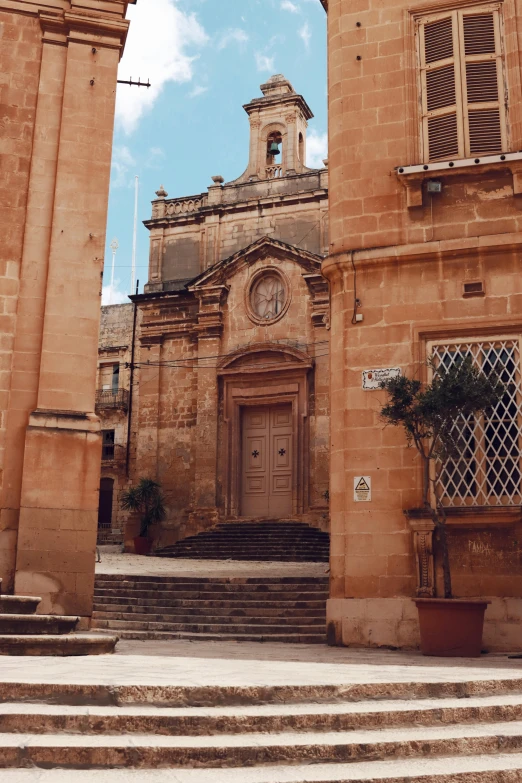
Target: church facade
{"type": "Point", "coordinates": [231, 402]}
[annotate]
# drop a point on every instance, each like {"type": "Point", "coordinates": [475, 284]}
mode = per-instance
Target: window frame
{"type": "Point", "coordinates": [457, 11]}
{"type": "Point", "coordinates": [480, 425]}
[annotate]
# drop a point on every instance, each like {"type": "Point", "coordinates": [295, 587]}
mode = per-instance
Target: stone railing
{"type": "Point", "coordinates": [274, 172]}
{"type": "Point", "coordinates": [184, 205]}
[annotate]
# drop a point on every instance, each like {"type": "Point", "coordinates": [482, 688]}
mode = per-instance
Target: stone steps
{"type": "Point", "coordinates": [187, 618]}
{"type": "Point", "coordinates": [438, 731]}
{"type": "Point", "coordinates": [62, 645]}
{"type": "Point", "coordinates": [505, 768]}
{"type": "Point", "coordinates": [222, 595]}
{"type": "Point", "coordinates": [77, 751]}
{"type": "Point", "coordinates": [249, 609]}
{"type": "Point", "coordinates": [22, 717]}
{"type": "Point", "coordinates": [262, 614]}
{"type": "Point", "coordinates": [36, 623]}
{"type": "Point", "coordinates": [263, 541]}
{"type": "Point", "coordinates": [23, 632]}
{"type": "Point", "coordinates": [18, 604]}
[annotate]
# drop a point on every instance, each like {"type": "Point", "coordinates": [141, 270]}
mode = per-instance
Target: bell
{"type": "Point", "coordinates": [274, 148]}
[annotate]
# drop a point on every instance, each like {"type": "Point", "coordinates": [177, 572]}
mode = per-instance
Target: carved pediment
{"type": "Point", "coordinates": [263, 248]}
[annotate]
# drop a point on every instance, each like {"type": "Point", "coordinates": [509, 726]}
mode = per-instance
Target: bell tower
{"type": "Point", "coordinates": [278, 123]}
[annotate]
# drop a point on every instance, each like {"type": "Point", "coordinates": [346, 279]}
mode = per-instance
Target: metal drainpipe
{"type": "Point", "coordinates": [129, 413]}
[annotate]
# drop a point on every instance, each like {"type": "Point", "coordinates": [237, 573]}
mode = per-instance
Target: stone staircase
{"type": "Point", "coordinates": [277, 609]}
{"type": "Point", "coordinates": [383, 732]}
{"type": "Point", "coordinates": [23, 632]}
{"type": "Point", "coordinates": [263, 540]}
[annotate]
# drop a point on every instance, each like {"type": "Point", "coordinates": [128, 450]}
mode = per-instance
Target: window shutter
{"type": "Point", "coordinates": [438, 42]}
{"type": "Point", "coordinates": [482, 77]}
{"type": "Point", "coordinates": [462, 84]}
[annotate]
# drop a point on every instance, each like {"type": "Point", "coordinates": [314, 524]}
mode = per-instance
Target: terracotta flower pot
{"type": "Point", "coordinates": [142, 545]}
{"type": "Point", "coordinates": [451, 628]}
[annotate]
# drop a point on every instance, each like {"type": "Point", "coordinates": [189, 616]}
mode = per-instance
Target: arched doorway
{"type": "Point", "coordinates": [105, 504]}
{"type": "Point", "coordinates": [265, 432]}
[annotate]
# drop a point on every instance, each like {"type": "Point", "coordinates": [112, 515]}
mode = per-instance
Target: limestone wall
{"type": "Point", "coordinates": [406, 256]}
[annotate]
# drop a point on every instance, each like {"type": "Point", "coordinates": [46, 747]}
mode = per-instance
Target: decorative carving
{"type": "Point", "coordinates": [182, 206]}
{"type": "Point", "coordinates": [423, 547]}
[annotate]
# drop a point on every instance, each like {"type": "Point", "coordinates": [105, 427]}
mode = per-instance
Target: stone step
{"type": "Point", "coordinates": [130, 603]}
{"type": "Point", "coordinates": [222, 595]}
{"type": "Point", "coordinates": [49, 644]}
{"type": "Point", "coordinates": [231, 590]}
{"type": "Point", "coordinates": [241, 625]}
{"type": "Point", "coordinates": [229, 694]}
{"type": "Point", "coordinates": [239, 580]}
{"type": "Point", "coordinates": [186, 617]}
{"type": "Point", "coordinates": [18, 604]}
{"type": "Point", "coordinates": [284, 638]}
{"type": "Point", "coordinates": [76, 751]}
{"type": "Point", "coordinates": [505, 768]}
{"type": "Point", "coordinates": [31, 718]}
{"type": "Point", "coordinates": [227, 584]}
{"type": "Point", "coordinates": [130, 612]}
{"type": "Point", "coordinates": [36, 624]}
{"type": "Point", "coordinates": [255, 557]}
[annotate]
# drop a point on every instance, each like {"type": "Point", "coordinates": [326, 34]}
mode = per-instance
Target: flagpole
{"type": "Point", "coordinates": [134, 234]}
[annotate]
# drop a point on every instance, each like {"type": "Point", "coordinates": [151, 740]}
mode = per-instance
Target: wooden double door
{"type": "Point", "coordinates": [266, 464]}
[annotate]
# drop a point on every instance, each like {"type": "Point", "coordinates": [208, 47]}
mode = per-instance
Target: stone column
{"type": "Point", "coordinates": [60, 482]}
{"type": "Point", "coordinates": [33, 278]}
{"type": "Point", "coordinates": [209, 329]}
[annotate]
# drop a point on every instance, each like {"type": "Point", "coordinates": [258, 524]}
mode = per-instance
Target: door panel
{"type": "Point", "coordinates": [266, 480]}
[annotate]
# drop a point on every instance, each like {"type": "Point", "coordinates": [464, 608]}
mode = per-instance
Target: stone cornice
{"type": "Point", "coordinates": [492, 244]}
{"type": "Point", "coordinates": [324, 3]}
{"type": "Point", "coordinates": [265, 202]}
{"type": "Point", "coordinates": [280, 100]}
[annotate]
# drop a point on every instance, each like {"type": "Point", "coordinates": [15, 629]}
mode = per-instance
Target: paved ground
{"type": "Point", "coordinates": [250, 664]}
{"type": "Point", "coordinates": [113, 562]}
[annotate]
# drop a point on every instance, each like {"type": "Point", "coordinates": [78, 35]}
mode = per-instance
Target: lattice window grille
{"type": "Point", "coordinates": [489, 470]}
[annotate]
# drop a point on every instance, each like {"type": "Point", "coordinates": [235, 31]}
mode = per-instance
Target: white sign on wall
{"type": "Point", "coordinates": [362, 489]}
{"type": "Point", "coordinates": [372, 379]}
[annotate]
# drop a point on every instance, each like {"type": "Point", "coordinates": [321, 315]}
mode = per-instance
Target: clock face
{"type": "Point", "coordinates": [268, 297]}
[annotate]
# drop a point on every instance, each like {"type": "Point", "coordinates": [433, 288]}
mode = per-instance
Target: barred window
{"type": "Point", "coordinates": [488, 471]}
{"type": "Point", "coordinates": [462, 85]}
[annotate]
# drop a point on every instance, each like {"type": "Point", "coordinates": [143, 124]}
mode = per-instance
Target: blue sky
{"type": "Point", "coordinates": [205, 59]}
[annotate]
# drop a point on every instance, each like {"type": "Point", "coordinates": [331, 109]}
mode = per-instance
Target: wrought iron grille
{"type": "Point", "coordinates": [488, 471]}
{"type": "Point", "coordinates": [112, 398]}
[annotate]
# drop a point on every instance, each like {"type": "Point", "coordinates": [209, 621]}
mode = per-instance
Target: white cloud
{"type": "Point", "coordinates": [113, 295]}
{"type": "Point", "coordinates": [264, 63]}
{"type": "Point", "coordinates": [306, 34]}
{"type": "Point", "coordinates": [316, 149]}
{"type": "Point", "coordinates": [198, 90]}
{"type": "Point", "coordinates": [287, 5]}
{"type": "Point", "coordinates": [232, 35]}
{"type": "Point", "coordinates": [122, 164]}
{"type": "Point", "coordinates": [160, 37]}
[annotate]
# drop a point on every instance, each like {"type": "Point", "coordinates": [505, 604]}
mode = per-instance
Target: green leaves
{"type": "Point", "coordinates": [429, 412]}
{"type": "Point", "coordinates": [148, 500]}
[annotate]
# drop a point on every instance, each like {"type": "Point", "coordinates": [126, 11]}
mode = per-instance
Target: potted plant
{"type": "Point", "coordinates": [147, 499]}
{"type": "Point", "coordinates": [429, 414]}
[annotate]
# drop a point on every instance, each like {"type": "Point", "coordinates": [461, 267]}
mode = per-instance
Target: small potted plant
{"type": "Point", "coordinates": [430, 414]}
{"type": "Point", "coordinates": [145, 498]}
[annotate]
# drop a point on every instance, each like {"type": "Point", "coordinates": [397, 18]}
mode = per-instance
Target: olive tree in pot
{"type": "Point", "coordinates": [147, 499]}
{"type": "Point", "coordinates": [431, 415]}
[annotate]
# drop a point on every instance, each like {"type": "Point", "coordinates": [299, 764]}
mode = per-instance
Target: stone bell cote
{"type": "Point", "coordinates": [278, 121]}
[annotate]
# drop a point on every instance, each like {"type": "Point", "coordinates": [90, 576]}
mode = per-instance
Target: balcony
{"type": "Point", "coordinates": [107, 398]}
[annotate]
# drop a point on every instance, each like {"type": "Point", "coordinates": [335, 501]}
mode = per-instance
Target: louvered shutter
{"type": "Point", "coordinates": [462, 83]}
{"type": "Point", "coordinates": [482, 79]}
{"type": "Point", "coordinates": [440, 83]}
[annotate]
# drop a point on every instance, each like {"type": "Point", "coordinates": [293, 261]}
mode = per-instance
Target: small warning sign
{"type": "Point", "coordinates": [362, 489]}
